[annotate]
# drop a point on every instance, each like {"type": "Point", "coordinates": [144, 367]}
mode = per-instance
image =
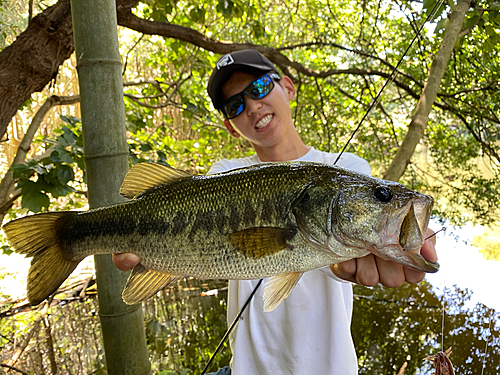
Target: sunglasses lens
{"type": "Point", "coordinates": [260, 87]}
{"type": "Point", "coordinates": [256, 90]}
{"type": "Point", "coordinates": [234, 107]}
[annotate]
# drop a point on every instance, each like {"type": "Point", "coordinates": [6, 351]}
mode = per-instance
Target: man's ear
{"type": "Point", "coordinates": [289, 87]}
{"type": "Point", "coordinates": [230, 129]}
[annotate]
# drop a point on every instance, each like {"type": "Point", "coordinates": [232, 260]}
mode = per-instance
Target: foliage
{"type": "Point", "coordinates": [185, 323]}
{"type": "Point", "coordinates": [183, 327]}
{"type": "Point", "coordinates": [393, 326]}
{"type": "Point", "coordinates": [345, 53]}
{"type": "Point", "coordinates": [488, 243]}
{"type": "Point", "coordinates": [12, 21]}
{"type": "Point", "coordinates": [51, 175]}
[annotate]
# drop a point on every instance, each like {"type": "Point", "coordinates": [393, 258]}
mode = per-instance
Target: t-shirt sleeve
{"type": "Point", "coordinates": [222, 165]}
{"type": "Point", "coordinates": [350, 161]}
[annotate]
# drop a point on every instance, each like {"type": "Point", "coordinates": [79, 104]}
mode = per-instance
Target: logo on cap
{"type": "Point", "coordinates": [225, 61]}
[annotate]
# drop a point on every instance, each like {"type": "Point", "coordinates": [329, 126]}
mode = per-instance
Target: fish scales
{"type": "Point", "coordinates": [183, 227]}
{"type": "Point", "coordinates": [274, 220]}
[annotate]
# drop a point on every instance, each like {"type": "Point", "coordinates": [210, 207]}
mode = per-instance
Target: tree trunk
{"type": "Point", "coordinates": [420, 119]}
{"type": "Point", "coordinates": [106, 163]}
{"type": "Point", "coordinates": [28, 64]}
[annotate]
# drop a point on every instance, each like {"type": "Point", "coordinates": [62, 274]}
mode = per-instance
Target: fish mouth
{"type": "Point", "coordinates": [408, 231]}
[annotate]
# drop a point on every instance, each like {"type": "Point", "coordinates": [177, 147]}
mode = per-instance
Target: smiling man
{"type": "Point", "coordinates": [309, 332]}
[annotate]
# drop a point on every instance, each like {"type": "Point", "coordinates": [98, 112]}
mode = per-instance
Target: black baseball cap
{"type": "Point", "coordinates": [247, 60]}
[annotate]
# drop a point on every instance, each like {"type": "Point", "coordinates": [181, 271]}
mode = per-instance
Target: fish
{"type": "Point", "coordinates": [272, 220]}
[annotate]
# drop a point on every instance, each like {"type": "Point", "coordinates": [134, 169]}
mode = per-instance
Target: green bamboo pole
{"type": "Point", "coordinates": [106, 163]}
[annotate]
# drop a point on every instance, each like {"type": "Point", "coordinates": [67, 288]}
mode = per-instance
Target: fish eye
{"type": "Point", "coordinates": [383, 194]}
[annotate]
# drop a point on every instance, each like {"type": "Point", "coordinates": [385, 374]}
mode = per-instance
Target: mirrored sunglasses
{"type": "Point", "coordinates": [256, 89]}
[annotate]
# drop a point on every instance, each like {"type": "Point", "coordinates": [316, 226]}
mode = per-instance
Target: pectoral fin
{"type": "Point", "coordinates": [278, 288]}
{"type": "Point", "coordinates": [144, 283]}
{"type": "Point", "coordinates": [260, 242]}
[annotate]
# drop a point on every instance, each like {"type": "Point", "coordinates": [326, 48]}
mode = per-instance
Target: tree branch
{"type": "Point", "coordinates": [14, 368]}
{"type": "Point", "coordinates": [420, 119]}
{"type": "Point", "coordinates": [34, 330]}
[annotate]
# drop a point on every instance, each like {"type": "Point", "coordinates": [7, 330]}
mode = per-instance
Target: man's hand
{"type": "Point", "coordinates": [126, 261]}
{"type": "Point", "coordinates": [371, 270]}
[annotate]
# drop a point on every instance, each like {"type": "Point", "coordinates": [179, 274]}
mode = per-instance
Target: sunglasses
{"type": "Point", "coordinates": [256, 89]}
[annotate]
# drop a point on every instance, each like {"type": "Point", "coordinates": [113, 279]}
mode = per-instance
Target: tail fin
{"type": "Point", "coordinates": [37, 237]}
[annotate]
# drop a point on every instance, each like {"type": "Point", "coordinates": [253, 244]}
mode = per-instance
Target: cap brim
{"type": "Point", "coordinates": [223, 75]}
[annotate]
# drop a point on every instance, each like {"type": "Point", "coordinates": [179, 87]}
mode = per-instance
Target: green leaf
{"type": "Point", "coordinates": [35, 201]}
{"type": "Point", "coordinates": [197, 15]}
{"type": "Point", "coordinates": [27, 186]}
{"type": "Point", "coordinates": [65, 174]}
{"type": "Point", "coordinates": [69, 136]}
{"type": "Point", "coordinates": [159, 15]}
{"type": "Point", "coordinates": [442, 23]}
{"type": "Point", "coordinates": [62, 141]}
{"type": "Point", "coordinates": [73, 121]}
{"type": "Point", "coordinates": [26, 104]}
{"type": "Point", "coordinates": [429, 4]}
{"type": "Point", "coordinates": [63, 155]}
{"type": "Point", "coordinates": [19, 169]}
{"type": "Point", "coordinates": [54, 157]}
{"type": "Point", "coordinates": [7, 250]}
{"type": "Point", "coordinates": [145, 147]}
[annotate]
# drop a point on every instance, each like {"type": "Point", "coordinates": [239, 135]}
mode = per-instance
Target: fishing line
{"type": "Point", "coordinates": [376, 100]}
{"type": "Point", "coordinates": [443, 229]}
{"type": "Point", "coordinates": [233, 324]}
{"type": "Point", "coordinates": [442, 320]}
{"type": "Point", "coordinates": [486, 347]}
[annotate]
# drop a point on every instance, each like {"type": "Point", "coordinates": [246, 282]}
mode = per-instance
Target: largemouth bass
{"type": "Point", "coordinates": [274, 220]}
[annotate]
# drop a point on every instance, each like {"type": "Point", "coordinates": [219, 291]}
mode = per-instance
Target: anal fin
{"type": "Point", "coordinates": [144, 283]}
{"type": "Point", "coordinates": [278, 288]}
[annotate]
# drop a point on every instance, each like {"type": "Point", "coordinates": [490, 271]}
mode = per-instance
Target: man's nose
{"type": "Point", "coordinates": [252, 105]}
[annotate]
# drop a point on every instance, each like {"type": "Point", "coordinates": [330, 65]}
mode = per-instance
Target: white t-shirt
{"type": "Point", "coordinates": [310, 331]}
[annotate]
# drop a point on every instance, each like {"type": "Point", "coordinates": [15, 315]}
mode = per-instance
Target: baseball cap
{"type": "Point", "coordinates": [248, 60]}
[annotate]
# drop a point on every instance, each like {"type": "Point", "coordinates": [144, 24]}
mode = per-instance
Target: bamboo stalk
{"type": "Point", "coordinates": [106, 163]}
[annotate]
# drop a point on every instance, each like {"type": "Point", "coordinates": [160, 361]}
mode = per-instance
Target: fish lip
{"type": "Point", "coordinates": [407, 258]}
{"type": "Point", "coordinates": [420, 209]}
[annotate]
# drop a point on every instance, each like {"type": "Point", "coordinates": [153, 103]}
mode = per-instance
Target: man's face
{"type": "Point", "coordinates": [264, 122]}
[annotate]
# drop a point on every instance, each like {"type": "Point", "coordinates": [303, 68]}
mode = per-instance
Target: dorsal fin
{"type": "Point", "coordinates": [143, 176]}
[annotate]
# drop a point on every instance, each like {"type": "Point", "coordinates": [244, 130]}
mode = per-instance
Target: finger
{"type": "Point", "coordinates": [413, 276]}
{"type": "Point", "coordinates": [345, 270]}
{"type": "Point", "coordinates": [392, 275]}
{"type": "Point", "coordinates": [367, 272]}
{"type": "Point", "coordinates": [126, 261]}
{"type": "Point", "coordinates": [428, 251]}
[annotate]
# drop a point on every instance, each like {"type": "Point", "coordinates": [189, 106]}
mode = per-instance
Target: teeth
{"type": "Point", "coordinates": [266, 120]}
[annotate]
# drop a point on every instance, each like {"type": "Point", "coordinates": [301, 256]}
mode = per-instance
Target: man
{"type": "Point", "coordinates": [309, 333]}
